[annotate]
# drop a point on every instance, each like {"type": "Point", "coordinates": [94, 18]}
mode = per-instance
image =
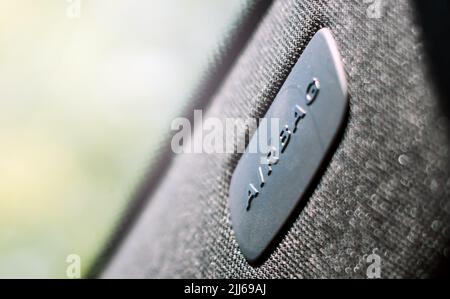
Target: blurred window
{"type": "Point", "coordinates": [86, 89]}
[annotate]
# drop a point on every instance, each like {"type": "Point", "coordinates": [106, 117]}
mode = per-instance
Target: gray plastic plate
{"type": "Point", "coordinates": [269, 186]}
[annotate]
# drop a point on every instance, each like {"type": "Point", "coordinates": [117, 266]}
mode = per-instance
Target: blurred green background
{"type": "Point", "coordinates": [83, 101]}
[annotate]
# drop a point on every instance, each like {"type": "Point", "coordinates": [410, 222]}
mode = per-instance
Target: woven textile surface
{"type": "Point", "coordinates": [385, 191]}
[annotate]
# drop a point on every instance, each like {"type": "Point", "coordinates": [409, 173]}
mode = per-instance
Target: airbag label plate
{"type": "Point", "coordinates": [268, 189]}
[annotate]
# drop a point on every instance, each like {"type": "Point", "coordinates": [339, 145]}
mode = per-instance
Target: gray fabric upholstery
{"type": "Point", "coordinates": [385, 191]}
